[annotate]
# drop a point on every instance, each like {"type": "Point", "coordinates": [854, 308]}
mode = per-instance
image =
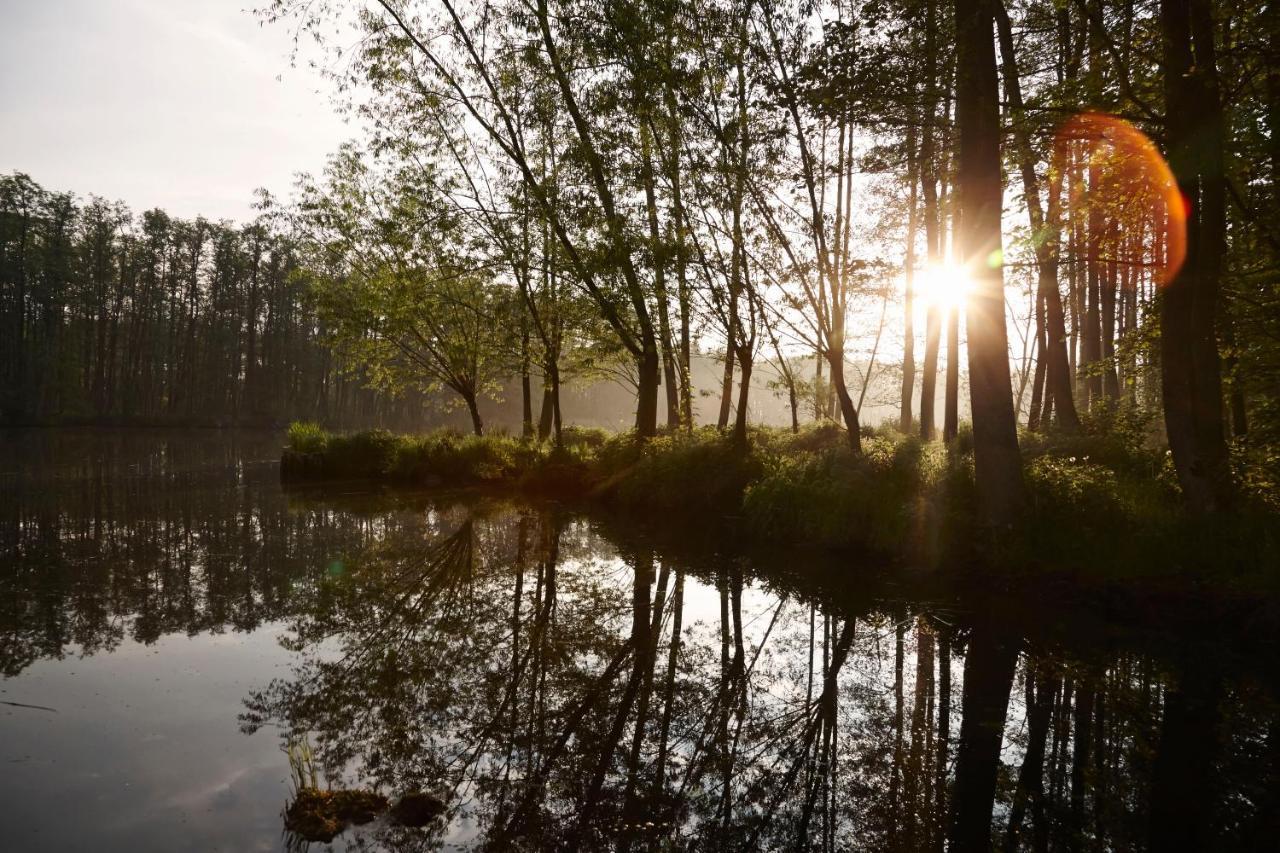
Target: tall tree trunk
{"type": "Point", "coordinates": [997, 464]}
{"type": "Point", "coordinates": [1047, 230]}
{"type": "Point", "coordinates": [658, 251]}
{"type": "Point", "coordinates": [1110, 283]}
{"type": "Point", "coordinates": [1190, 371]}
{"type": "Point", "coordinates": [544, 414]}
{"type": "Point", "coordinates": [909, 322]}
{"type": "Point", "coordinates": [951, 410]}
{"type": "Point", "coordinates": [988, 678]}
{"type": "Point", "coordinates": [932, 237]}
{"type": "Point", "coordinates": [726, 390]}
{"type": "Point", "coordinates": [526, 389]}
{"type": "Point", "coordinates": [1037, 382]}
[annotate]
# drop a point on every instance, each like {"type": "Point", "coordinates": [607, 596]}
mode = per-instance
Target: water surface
{"type": "Point", "coordinates": [170, 618]}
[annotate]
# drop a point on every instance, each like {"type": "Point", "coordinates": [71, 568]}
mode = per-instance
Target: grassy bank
{"type": "Point", "coordinates": [1099, 508]}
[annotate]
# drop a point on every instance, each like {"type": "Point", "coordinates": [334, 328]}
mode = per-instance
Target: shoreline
{"type": "Point", "coordinates": [1100, 526]}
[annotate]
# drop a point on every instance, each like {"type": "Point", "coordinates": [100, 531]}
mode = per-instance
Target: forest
{"type": "Point", "coordinates": [1064, 208]}
{"type": "Point", "coordinates": [664, 424]}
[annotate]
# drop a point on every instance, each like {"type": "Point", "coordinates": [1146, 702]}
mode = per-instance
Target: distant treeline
{"type": "Point", "coordinates": [111, 317]}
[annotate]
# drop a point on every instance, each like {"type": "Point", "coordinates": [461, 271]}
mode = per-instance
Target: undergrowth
{"type": "Point", "coordinates": [1101, 501]}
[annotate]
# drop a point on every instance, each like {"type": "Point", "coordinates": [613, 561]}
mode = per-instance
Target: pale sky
{"type": "Point", "coordinates": [160, 103]}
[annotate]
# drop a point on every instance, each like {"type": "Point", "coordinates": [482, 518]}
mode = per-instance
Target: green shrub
{"type": "Point", "coordinates": [361, 454]}
{"type": "Point", "coordinates": [307, 437]}
{"type": "Point", "coordinates": [700, 470]}
{"type": "Point", "coordinates": [833, 497]}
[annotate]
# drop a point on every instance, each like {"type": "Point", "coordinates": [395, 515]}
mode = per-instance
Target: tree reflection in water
{"type": "Point", "coordinates": [562, 692]}
{"type": "Point", "coordinates": [562, 685]}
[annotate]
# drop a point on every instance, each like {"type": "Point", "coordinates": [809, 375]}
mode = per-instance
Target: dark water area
{"type": "Point", "coordinates": [170, 619]}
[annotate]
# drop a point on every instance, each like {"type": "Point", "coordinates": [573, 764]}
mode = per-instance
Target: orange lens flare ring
{"type": "Point", "coordinates": [1137, 172]}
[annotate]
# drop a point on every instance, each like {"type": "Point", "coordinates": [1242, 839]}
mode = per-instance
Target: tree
{"type": "Point", "coordinates": [997, 464]}
{"type": "Point", "coordinates": [396, 295]}
{"type": "Point", "coordinates": [1191, 377]}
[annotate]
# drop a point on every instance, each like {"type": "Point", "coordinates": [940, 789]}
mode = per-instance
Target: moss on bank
{"type": "Point", "coordinates": [1098, 508]}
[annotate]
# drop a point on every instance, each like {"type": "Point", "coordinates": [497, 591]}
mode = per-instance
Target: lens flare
{"type": "Point", "coordinates": [1136, 186]}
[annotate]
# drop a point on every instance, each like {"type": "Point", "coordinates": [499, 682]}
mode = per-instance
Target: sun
{"type": "Point", "coordinates": [944, 284]}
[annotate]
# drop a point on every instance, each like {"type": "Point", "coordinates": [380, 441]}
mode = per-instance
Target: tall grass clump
{"type": "Point", "coordinates": [701, 470]}
{"type": "Point", "coordinates": [830, 496]}
{"type": "Point", "coordinates": [450, 458]}
{"type": "Point", "coordinates": [307, 437]}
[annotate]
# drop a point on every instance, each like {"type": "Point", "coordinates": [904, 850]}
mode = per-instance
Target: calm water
{"type": "Point", "coordinates": [169, 617]}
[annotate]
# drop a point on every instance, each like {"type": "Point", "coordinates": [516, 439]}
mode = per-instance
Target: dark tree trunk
{"type": "Point", "coordinates": [929, 372]}
{"type": "Point", "coordinates": [1110, 283]}
{"type": "Point", "coordinates": [951, 411]}
{"type": "Point", "coordinates": [647, 397]}
{"type": "Point", "coordinates": [1182, 801]}
{"type": "Point", "coordinates": [997, 465]}
{"type": "Point", "coordinates": [726, 390]}
{"type": "Point", "coordinates": [932, 235]}
{"type": "Point", "coordinates": [526, 402]}
{"type": "Point", "coordinates": [848, 411]}
{"type": "Point", "coordinates": [909, 327]}
{"type": "Point", "coordinates": [1037, 382]}
{"type": "Point", "coordinates": [744, 391]}
{"type": "Point", "coordinates": [1190, 371]}
{"type": "Point", "coordinates": [477, 425]}
{"type": "Point", "coordinates": [544, 414]}
{"type": "Point", "coordinates": [988, 678]}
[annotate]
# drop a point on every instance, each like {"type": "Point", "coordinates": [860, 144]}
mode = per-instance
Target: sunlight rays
{"type": "Point", "coordinates": [945, 284]}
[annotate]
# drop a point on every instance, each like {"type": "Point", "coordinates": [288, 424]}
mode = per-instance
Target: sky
{"type": "Point", "coordinates": [159, 103]}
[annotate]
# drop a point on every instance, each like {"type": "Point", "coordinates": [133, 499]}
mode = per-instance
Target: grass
{"type": "Point", "coordinates": [320, 814]}
{"type": "Point", "coordinates": [1101, 505]}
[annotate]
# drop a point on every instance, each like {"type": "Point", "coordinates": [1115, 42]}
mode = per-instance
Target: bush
{"type": "Point", "coordinates": [307, 437]}
{"type": "Point", "coordinates": [832, 497]}
{"type": "Point", "coordinates": [699, 470]}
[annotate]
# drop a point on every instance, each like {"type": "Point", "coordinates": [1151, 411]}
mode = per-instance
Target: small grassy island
{"type": "Point", "coordinates": [1101, 511]}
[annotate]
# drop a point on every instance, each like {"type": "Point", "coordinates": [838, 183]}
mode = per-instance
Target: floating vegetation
{"type": "Point", "coordinates": [318, 815]}
{"type": "Point", "coordinates": [417, 809]}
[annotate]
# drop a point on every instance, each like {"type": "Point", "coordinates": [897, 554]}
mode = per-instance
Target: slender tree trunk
{"type": "Point", "coordinates": [908, 329]}
{"type": "Point", "coordinates": [659, 253]}
{"type": "Point", "coordinates": [848, 411]}
{"type": "Point", "coordinates": [932, 237]}
{"type": "Point", "coordinates": [951, 413]}
{"type": "Point", "coordinates": [726, 390]}
{"type": "Point", "coordinates": [744, 391]}
{"type": "Point", "coordinates": [1051, 325]}
{"type": "Point", "coordinates": [1110, 283]}
{"type": "Point", "coordinates": [1037, 383]}
{"type": "Point", "coordinates": [526, 389]}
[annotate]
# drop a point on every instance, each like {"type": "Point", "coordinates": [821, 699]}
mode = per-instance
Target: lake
{"type": "Point", "coordinates": [172, 621]}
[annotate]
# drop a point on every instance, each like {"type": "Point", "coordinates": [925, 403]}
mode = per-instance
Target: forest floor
{"type": "Point", "coordinates": [1102, 514]}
